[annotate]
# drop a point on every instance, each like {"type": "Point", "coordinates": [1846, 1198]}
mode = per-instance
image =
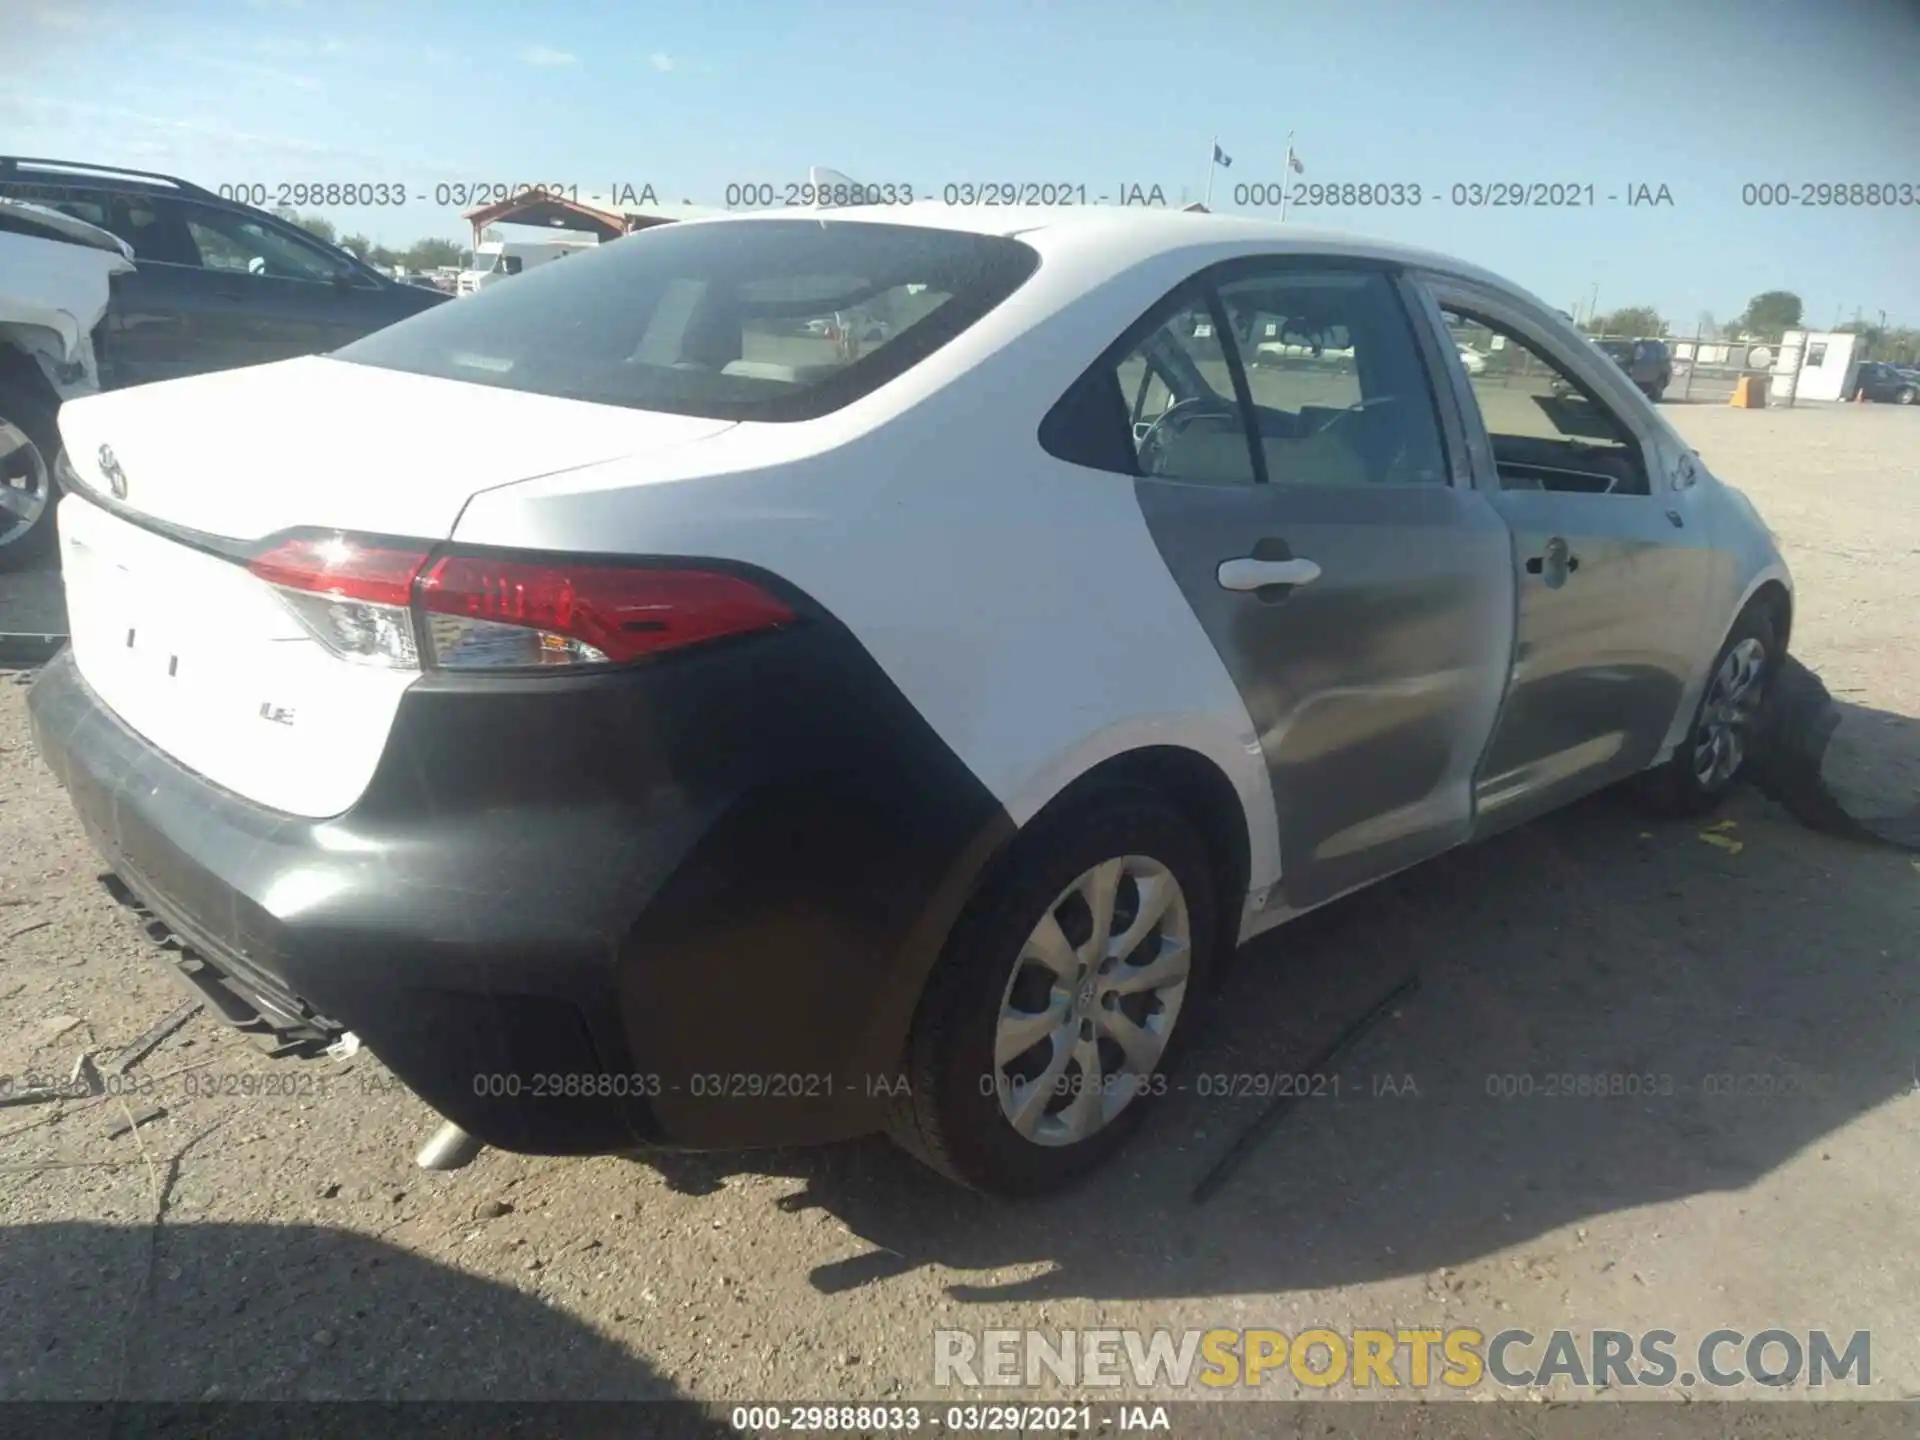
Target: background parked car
{"type": "Point", "coordinates": [216, 284]}
{"type": "Point", "coordinates": [1888, 384]}
{"type": "Point", "coordinates": [1647, 362]}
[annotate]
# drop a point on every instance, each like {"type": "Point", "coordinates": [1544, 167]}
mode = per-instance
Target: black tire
{"type": "Point", "coordinates": [945, 1119]}
{"type": "Point", "coordinates": [1907, 395]}
{"type": "Point", "coordinates": [1676, 788]}
{"type": "Point", "coordinates": [25, 415]}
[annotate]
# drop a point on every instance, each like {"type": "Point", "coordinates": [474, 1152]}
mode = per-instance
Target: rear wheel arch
{"type": "Point", "coordinates": [1198, 788]}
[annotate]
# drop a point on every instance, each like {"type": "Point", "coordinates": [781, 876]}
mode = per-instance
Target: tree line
{"type": "Point", "coordinates": [1767, 317]}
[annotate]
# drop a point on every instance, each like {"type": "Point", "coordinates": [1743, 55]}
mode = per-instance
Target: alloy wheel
{"type": "Point", "coordinates": [1726, 717]}
{"type": "Point", "coordinates": [1092, 1000]}
{"type": "Point", "coordinates": [24, 483]}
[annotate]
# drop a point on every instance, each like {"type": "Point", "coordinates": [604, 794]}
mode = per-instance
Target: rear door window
{"type": "Point", "coordinates": [1319, 368]}
{"type": "Point", "coordinates": [749, 320]}
{"type": "Point", "coordinates": [1340, 393]}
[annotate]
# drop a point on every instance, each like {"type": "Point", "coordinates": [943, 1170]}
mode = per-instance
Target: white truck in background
{"type": "Point", "coordinates": [495, 260]}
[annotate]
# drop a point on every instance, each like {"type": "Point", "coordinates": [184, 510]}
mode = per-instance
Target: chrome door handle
{"type": "Point", "coordinates": [1248, 573]}
{"type": "Point", "coordinates": [1556, 565]}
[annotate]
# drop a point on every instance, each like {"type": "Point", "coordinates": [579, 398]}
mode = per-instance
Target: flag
{"type": "Point", "coordinates": [1221, 158]}
{"type": "Point", "coordinates": [1293, 163]}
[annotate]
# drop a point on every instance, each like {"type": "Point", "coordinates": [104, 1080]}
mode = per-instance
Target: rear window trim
{"type": "Point", "coordinates": [1010, 264]}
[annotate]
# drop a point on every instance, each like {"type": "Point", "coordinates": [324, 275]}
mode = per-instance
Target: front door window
{"type": "Point", "coordinates": [1547, 428]}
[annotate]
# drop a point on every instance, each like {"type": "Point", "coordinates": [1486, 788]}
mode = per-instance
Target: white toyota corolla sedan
{"type": "Point", "coordinates": [642, 717]}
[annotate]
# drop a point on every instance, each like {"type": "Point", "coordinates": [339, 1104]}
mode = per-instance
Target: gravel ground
{"type": "Point", "coordinates": [282, 1244]}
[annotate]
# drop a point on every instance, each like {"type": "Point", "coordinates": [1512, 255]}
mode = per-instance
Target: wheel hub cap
{"type": "Point", "coordinates": [1092, 1000]}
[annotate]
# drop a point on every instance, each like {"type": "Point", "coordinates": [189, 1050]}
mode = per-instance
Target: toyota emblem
{"type": "Point", "coordinates": [110, 467]}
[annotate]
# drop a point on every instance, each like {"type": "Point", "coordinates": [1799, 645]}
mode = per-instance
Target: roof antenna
{"type": "Point", "coordinates": [823, 183]}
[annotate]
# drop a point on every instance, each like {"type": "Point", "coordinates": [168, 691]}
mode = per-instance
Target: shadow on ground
{"type": "Point", "coordinates": [1772, 962]}
{"type": "Point", "coordinates": [235, 1313]}
{"type": "Point", "coordinates": [31, 600]}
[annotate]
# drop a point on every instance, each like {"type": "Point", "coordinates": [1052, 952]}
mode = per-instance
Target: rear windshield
{"type": "Point", "coordinates": [754, 320]}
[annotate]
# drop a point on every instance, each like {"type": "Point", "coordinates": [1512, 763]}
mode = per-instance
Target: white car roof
{"type": "Point", "coordinates": [1130, 234]}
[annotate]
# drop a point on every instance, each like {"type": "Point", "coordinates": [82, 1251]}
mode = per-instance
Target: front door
{"type": "Point", "coordinates": [1612, 564]}
{"type": "Point", "coordinates": [1292, 471]}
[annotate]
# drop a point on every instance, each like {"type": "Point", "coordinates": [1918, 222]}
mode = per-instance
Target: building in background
{"type": "Point", "coordinates": [601, 216]}
{"type": "Point", "coordinates": [1815, 365]}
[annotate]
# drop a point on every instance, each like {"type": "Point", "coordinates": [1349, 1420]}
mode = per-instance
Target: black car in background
{"type": "Point", "coordinates": [1648, 363]}
{"type": "Point", "coordinates": [215, 285]}
{"type": "Point", "coordinates": [1888, 384]}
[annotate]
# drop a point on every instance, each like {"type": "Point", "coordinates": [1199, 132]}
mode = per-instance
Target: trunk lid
{"type": "Point", "coordinates": [244, 453]}
{"type": "Point", "coordinates": [205, 660]}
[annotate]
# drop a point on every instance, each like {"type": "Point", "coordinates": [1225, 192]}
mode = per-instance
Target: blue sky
{"type": "Point", "coordinates": [1701, 96]}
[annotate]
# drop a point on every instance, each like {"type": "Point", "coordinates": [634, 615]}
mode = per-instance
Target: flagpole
{"type": "Point", "coordinates": [1286, 178]}
{"type": "Point", "coordinates": [1211, 167]}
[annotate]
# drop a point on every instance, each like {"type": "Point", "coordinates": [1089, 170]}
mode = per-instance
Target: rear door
{"type": "Point", "coordinates": [1611, 559]}
{"type": "Point", "coordinates": [1300, 484]}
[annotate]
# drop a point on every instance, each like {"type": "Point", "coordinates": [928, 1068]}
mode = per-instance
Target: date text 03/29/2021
{"type": "Point", "coordinates": [799, 1085]}
{"type": "Point", "coordinates": [1462, 195]}
{"type": "Point", "coordinates": [966, 1419]}
{"type": "Point", "coordinates": [775, 195]}
{"type": "Point", "coordinates": [389, 193]}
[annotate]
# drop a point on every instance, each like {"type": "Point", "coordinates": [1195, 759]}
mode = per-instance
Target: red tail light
{"type": "Point", "coordinates": [350, 594]}
{"type": "Point", "coordinates": [504, 612]}
{"type": "Point", "coordinates": [501, 612]}
{"type": "Point", "coordinates": [341, 565]}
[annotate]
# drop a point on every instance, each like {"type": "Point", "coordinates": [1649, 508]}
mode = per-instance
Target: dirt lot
{"type": "Point", "coordinates": [280, 1245]}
